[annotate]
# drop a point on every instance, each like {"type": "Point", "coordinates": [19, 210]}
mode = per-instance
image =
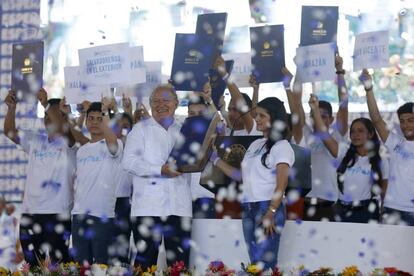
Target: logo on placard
{"type": "Point", "coordinates": [234, 155]}
{"type": "Point", "coordinates": [27, 69]}
{"type": "Point", "coordinates": [26, 62]}
{"type": "Point", "coordinates": [319, 30]}
{"type": "Point", "coordinates": [193, 57]}
{"type": "Point", "coordinates": [267, 51]}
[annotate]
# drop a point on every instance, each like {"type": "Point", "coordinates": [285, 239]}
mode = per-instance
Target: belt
{"type": "Point", "coordinates": [354, 204]}
{"type": "Point", "coordinates": [319, 202]}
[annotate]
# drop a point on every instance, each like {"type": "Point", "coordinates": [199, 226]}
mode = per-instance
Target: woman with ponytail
{"type": "Point", "coordinates": [264, 173]}
{"type": "Point", "coordinates": [362, 174]}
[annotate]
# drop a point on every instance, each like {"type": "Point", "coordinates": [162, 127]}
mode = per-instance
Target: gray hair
{"type": "Point", "coordinates": [167, 87]}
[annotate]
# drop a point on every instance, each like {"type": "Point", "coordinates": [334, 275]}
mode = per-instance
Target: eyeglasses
{"type": "Point", "coordinates": [92, 118]}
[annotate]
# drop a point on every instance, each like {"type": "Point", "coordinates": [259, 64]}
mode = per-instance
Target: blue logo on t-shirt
{"type": "Point", "coordinates": [89, 159]}
{"type": "Point", "coordinates": [403, 153]}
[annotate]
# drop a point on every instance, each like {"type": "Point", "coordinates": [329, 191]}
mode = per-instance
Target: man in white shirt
{"type": "Point", "coordinates": [320, 200]}
{"type": "Point", "coordinates": [95, 185]}
{"type": "Point", "coordinates": [48, 195]}
{"type": "Point", "coordinates": [161, 201]}
{"type": "Point", "coordinates": [399, 196]}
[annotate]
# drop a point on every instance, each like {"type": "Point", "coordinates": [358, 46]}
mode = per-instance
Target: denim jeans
{"type": "Point", "coordinates": [262, 248]}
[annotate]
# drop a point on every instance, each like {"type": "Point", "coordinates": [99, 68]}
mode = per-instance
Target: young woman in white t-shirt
{"type": "Point", "coordinates": [362, 173]}
{"type": "Point", "coordinates": [264, 173]}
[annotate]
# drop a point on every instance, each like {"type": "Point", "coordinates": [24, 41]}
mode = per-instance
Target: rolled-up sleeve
{"type": "Point", "coordinates": [134, 161]}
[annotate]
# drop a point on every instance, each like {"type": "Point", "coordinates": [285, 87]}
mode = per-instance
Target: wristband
{"type": "Point", "coordinates": [273, 210]}
{"type": "Point", "coordinates": [340, 72]}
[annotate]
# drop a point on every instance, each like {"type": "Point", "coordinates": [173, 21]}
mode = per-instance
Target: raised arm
{"type": "Point", "coordinates": [255, 99]}
{"type": "Point", "coordinates": [235, 93]}
{"type": "Point", "coordinates": [72, 131]}
{"type": "Point", "coordinates": [320, 129]}
{"type": "Point", "coordinates": [374, 113]}
{"type": "Point", "coordinates": [296, 108]}
{"type": "Point", "coordinates": [127, 105]}
{"type": "Point", "coordinates": [53, 111]}
{"type": "Point", "coordinates": [342, 115]}
{"type": "Point", "coordinates": [109, 135]}
{"type": "Point", "coordinates": [10, 129]}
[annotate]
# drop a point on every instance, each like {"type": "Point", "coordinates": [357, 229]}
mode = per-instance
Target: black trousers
{"type": "Point", "coordinates": [148, 233]}
{"type": "Point", "coordinates": [42, 233]}
{"type": "Point", "coordinates": [122, 229]}
{"type": "Point", "coordinates": [321, 209]}
{"type": "Point", "coordinates": [358, 214]}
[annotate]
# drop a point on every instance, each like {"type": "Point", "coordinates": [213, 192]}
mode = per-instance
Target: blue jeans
{"type": "Point", "coordinates": [91, 238]}
{"type": "Point", "coordinates": [262, 249]}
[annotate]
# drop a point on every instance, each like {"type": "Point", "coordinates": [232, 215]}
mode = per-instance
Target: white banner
{"type": "Point", "coordinates": [371, 50]}
{"type": "Point", "coordinates": [76, 90]}
{"type": "Point", "coordinates": [137, 68]}
{"type": "Point", "coordinates": [242, 68]}
{"type": "Point", "coordinates": [153, 78]}
{"type": "Point", "coordinates": [106, 65]}
{"type": "Point", "coordinates": [316, 62]}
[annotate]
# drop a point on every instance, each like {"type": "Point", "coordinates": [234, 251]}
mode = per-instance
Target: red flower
{"type": "Point", "coordinates": [84, 269]}
{"type": "Point", "coordinates": [403, 273]}
{"type": "Point", "coordinates": [177, 268]}
{"type": "Point", "coordinates": [216, 266]}
{"type": "Point", "coordinates": [276, 272]}
{"type": "Point", "coordinates": [390, 270]}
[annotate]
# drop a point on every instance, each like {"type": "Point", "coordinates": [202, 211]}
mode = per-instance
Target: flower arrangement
{"type": "Point", "coordinates": [218, 268]}
{"type": "Point", "coordinates": [215, 268]}
{"type": "Point", "coordinates": [389, 271]}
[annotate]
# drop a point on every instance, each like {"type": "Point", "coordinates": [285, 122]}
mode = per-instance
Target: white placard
{"type": "Point", "coordinates": [76, 90]}
{"type": "Point", "coordinates": [153, 78]}
{"type": "Point", "coordinates": [371, 50]}
{"type": "Point", "coordinates": [242, 68]}
{"type": "Point", "coordinates": [316, 62]}
{"type": "Point", "coordinates": [106, 65]}
{"type": "Point", "coordinates": [137, 65]}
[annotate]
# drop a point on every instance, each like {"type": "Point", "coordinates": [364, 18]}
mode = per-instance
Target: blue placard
{"type": "Point", "coordinates": [212, 25]}
{"type": "Point", "coordinates": [268, 53]}
{"type": "Point", "coordinates": [193, 57]}
{"type": "Point", "coordinates": [218, 85]}
{"type": "Point", "coordinates": [27, 68]}
{"type": "Point", "coordinates": [319, 25]}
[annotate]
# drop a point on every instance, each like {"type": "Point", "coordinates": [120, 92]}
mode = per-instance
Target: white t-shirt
{"type": "Point", "coordinates": [400, 190]}
{"type": "Point", "coordinates": [96, 182]}
{"type": "Point", "coordinates": [259, 182]}
{"type": "Point", "coordinates": [324, 165]}
{"type": "Point", "coordinates": [50, 174]}
{"type": "Point", "coordinates": [243, 132]}
{"type": "Point", "coordinates": [124, 187]}
{"type": "Point", "coordinates": [357, 179]}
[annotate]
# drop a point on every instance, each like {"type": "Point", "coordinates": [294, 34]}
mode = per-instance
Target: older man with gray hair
{"type": "Point", "coordinates": [161, 201]}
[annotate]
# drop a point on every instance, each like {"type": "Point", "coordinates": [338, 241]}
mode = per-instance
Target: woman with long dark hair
{"type": "Point", "coordinates": [264, 173]}
{"type": "Point", "coordinates": [362, 174]}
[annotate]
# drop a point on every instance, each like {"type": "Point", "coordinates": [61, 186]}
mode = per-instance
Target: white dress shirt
{"type": "Point", "coordinates": [147, 149]}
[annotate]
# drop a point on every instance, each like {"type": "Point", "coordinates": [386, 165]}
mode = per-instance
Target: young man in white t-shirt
{"type": "Point", "coordinates": [320, 200]}
{"type": "Point", "coordinates": [48, 195]}
{"type": "Point", "coordinates": [97, 163]}
{"type": "Point", "coordinates": [399, 197]}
